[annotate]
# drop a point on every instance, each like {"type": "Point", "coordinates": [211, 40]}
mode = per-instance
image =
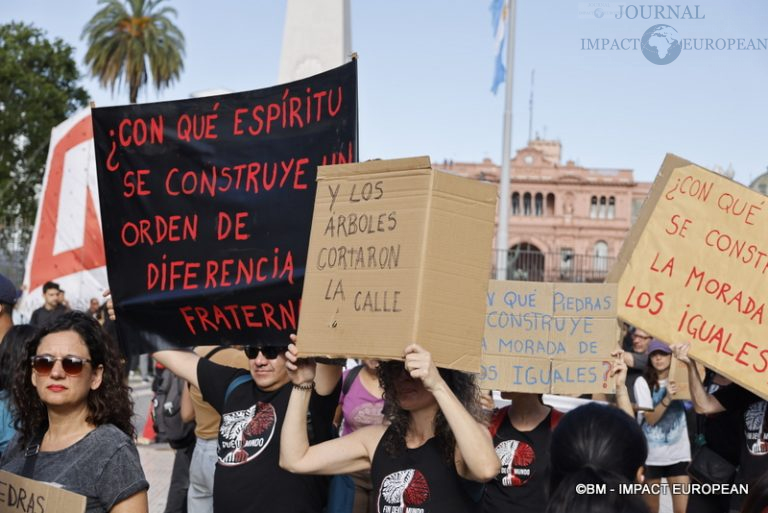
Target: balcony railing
{"type": "Point", "coordinates": [527, 265]}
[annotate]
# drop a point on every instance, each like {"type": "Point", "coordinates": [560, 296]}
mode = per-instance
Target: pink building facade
{"type": "Point", "coordinates": [567, 222]}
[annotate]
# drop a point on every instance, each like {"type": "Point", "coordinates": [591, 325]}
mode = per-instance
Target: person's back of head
{"type": "Point", "coordinates": [602, 437]}
{"type": "Point", "coordinates": [575, 496]}
{"type": "Point", "coordinates": [12, 351]}
{"type": "Point", "coordinates": [8, 296]}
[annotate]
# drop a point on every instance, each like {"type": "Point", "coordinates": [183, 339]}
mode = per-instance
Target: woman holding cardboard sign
{"type": "Point", "coordinates": [75, 417]}
{"type": "Point", "coordinates": [432, 455]}
{"type": "Point", "coordinates": [665, 429]}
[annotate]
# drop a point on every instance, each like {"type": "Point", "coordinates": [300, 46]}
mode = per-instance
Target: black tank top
{"type": "Point", "coordinates": [420, 481]}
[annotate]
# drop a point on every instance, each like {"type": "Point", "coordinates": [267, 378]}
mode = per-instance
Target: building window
{"type": "Point", "coordinates": [566, 262]}
{"type": "Point", "coordinates": [550, 205]}
{"type": "Point", "coordinates": [593, 208]}
{"type": "Point", "coordinates": [611, 207]}
{"type": "Point", "coordinates": [515, 203]}
{"type": "Point", "coordinates": [539, 204]}
{"type": "Point", "coordinates": [602, 210]}
{"type": "Point", "coordinates": [527, 204]}
{"type": "Point", "coordinates": [600, 262]}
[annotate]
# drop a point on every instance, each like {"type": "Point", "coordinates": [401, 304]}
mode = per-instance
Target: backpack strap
{"type": "Point", "coordinates": [351, 376]}
{"type": "Point", "coordinates": [554, 418]}
{"type": "Point", "coordinates": [497, 419]}
{"type": "Point", "coordinates": [243, 378]}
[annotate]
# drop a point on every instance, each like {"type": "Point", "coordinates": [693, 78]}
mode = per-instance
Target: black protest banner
{"type": "Point", "coordinates": [206, 208]}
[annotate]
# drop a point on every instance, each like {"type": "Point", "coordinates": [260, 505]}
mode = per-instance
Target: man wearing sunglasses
{"type": "Point", "coordinates": [252, 406]}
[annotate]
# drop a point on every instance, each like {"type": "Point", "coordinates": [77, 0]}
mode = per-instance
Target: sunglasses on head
{"type": "Point", "coordinates": [43, 364]}
{"type": "Point", "coordinates": [269, 352]}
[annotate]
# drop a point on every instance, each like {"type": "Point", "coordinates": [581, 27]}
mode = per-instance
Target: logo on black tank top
{"type": "Point", "coordinates": [756, 428]}
{"type": "Point", "coordinates": [244, 434]}
{"type": "Point", "coordinates": [516, 462]}
{"type": "Point", "coordinates": [404, 491]}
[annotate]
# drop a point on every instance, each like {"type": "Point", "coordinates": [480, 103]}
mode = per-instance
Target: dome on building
{"type": "Point", "coordinates": [760, 184]}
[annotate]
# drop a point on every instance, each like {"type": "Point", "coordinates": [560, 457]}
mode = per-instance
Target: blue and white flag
{"type": "Point", "coordinates": [499, 21]}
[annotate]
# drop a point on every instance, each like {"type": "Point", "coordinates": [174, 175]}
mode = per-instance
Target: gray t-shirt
{"type": "Point", "coordinates": [104, 466]}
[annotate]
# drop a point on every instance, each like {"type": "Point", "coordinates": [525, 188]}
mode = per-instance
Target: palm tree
{"type": "Point", "coordinates": [122, 43]}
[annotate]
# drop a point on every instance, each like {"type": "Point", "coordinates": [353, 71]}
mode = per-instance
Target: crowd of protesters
{"type": "Point", "coordinates": [275, 432]}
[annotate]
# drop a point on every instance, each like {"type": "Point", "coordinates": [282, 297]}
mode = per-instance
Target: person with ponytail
{"type": "Point", "coordinates": [600, 445]}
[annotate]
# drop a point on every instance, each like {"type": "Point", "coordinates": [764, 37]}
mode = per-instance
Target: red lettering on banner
{"type": "Point", "coordinates": [216, 318]}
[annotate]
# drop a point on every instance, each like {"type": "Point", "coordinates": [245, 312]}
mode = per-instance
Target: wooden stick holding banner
{"type": "Point", "coordinates": [695, 269]}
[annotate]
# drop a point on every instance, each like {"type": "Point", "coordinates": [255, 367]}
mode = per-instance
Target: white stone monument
{"type": "Point", "coordinates": [316, 37]}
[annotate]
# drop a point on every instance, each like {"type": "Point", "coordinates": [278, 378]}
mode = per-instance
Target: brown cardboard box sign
{"type": "Point", "coordinates": [694, 269]}
{"type": "Point", "coordinates": [398, 253]}
{"type": "Point", "coordinates": [27, 495]}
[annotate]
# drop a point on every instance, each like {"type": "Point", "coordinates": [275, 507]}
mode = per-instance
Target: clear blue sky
{"type": "Point", "coordinates": [426, 68]}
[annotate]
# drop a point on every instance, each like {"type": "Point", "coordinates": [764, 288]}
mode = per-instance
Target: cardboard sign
{"type": "Point", "coordinates": [399, 253]}
{"type": "Point", "coordinates": [206, 206]}
{"type": "Point", "coordinates": [27, 495]}
{"type": "Point", "coordinates": [549, 337]}
{"type": "Point", "coordinates": [695, 269]}
{"type": "Point", "coordinates": [678, 372]}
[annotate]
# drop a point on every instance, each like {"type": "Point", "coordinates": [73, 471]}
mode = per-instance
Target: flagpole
{"type": "Point", "coordinates": [502, 238]}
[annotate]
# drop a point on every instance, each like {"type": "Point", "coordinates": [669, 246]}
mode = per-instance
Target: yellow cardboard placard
{"type": "Point", "coordinates": [678, 372]}
{"type": "Point", "coordinates": [21, 494]}
{"type": "Point", "coordinates": [398, 253]}
{"type": "Point", "coordinates": [695, 269]}
{"type": "Point", "coordinates": [571, 327]}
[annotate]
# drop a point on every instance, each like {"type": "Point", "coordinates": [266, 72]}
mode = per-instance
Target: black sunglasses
{"type": "Point", "coordinates": [269, 352]}
{"type": "Point", "coordinates": [43, 364]}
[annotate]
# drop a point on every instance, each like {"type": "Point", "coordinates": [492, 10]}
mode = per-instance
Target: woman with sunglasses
{"type": "Point", "coordinates": [74, 414]}
{"type": "Point", "coordinates": [432, 456]}
{"type": "Point", "coordinates": [252, 406]}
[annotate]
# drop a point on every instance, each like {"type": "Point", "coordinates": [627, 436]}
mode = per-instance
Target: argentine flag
{"type": "Point", "coordinates": [499, 13]}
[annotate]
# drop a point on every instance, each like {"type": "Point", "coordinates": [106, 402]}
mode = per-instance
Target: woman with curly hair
{"type": "Point", "coordinates": [74, 417]}
{"type": "Point", "coordinates": [433, 453]}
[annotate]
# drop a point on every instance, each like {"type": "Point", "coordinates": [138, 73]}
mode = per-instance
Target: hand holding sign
{"type": "Point", "coordinates": [300, 370]}
{"type": "Point", "coordinates": [419, 365]}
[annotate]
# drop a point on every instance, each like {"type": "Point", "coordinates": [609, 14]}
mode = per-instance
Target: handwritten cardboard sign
{"type": "Point", "coordinates": [27, 495]}
{"type": "Point", "coordinates": [549, 337]}
{"type": "Point", "coordinates": [695, 269]}
{"type": "Point", "coordinates": [678, 372]}
{"type": "Point", "coordinates": [207, 204]}
{"type": "Point", "coordinates": [399, 253]}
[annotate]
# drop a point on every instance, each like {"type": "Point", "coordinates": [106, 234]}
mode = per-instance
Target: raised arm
{"type": "Point", "coordinates": [619, 372]}
{"type": "Point", "coordinates": [338, 456]}
{"type": "Point", "coordinates": [182, 363]}
{"type": "Point", "coordinates": [702, 401]}
{"type": "Point", "coordinates": [475, 456]}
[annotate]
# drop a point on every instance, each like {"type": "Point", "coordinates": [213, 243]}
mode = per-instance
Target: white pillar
{"type": "Point", "coordinates": [316, 37]}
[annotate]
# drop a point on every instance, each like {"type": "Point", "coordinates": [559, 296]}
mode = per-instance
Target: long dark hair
{"type": "Point", "coordinates": [463, 386]}
{"type": "Point", "coordinates": [12, 350]}
{"type": "Point", "coordinates": [600, 437]}
{"type": "Point", "coordinates": [567, 500]}
{"type": "Point", "coordinates": [111, 403]}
